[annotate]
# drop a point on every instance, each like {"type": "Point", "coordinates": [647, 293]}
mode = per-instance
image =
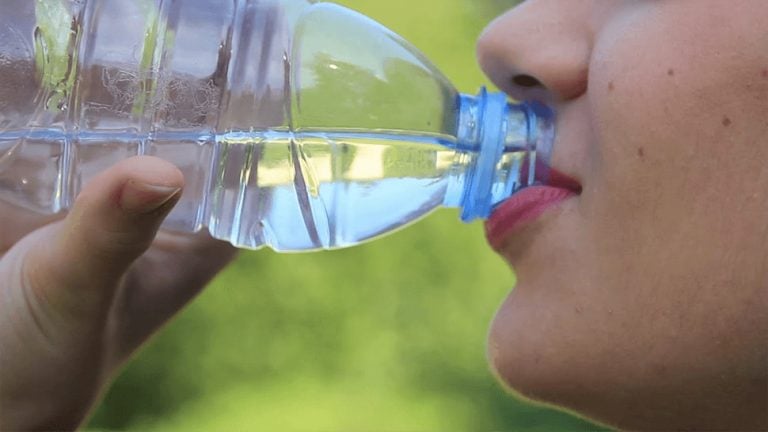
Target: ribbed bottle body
{"type": "Point", "coordinates": [297, 125]}
{"type": "Point", "coordinates": [88, 83]}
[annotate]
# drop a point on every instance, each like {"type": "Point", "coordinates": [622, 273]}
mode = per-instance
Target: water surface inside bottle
{"type": "Point", "coordinates": [325, 189]}
{"type": "Point", "coordinates": [301, 190]}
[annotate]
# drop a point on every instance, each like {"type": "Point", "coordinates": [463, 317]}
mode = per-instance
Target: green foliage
{"type": "Point", "coordinates": [350, 97]}
{"type": "Point", "coordinates": [53, 49]}
{"type": "Point", "coordinates": [387, 336]}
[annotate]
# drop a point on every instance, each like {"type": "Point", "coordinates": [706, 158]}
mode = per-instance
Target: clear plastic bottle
{"type": "Point", "coordinates": [297, 125]}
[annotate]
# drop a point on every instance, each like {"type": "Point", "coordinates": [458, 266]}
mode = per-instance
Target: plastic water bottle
{"type": "Point", "coordinates": [297, 125]}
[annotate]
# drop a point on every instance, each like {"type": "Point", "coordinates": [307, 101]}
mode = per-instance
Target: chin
{"type": "Point", "coordinates": [521, 351]}
{"type": "Point", "coordinates": [548, 351]}
{"type": "Point", "coordinates": [542, 349]}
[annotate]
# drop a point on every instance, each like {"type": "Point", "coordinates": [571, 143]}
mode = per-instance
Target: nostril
{"type": "Point", "coordinates": [524, 80]}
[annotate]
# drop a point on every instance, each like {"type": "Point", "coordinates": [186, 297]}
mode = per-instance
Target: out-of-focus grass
{"type": "Point", "coordinates": [387, 336]}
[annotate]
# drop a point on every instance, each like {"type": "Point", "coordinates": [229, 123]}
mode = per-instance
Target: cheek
{"type": "Point", "coordinates": [679, 113]}
{"type": "Point", "coordinates": [665, 249]}
{"type": "Point", "coordinates": [676, 199]}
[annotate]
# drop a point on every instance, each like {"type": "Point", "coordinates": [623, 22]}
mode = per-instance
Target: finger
{"type": "Point", "coordinates": [161, 282]}
{"type": "Point", "coordinates": [183, 265]}
{"type": "Point", "coordinates": [76, 265]}
{"type": "Point", "coordinates": [17, 222]}
{"type": "Point", "coordinates": [208, 253]}
{"type": "Point", "coordinates": [192, 260]}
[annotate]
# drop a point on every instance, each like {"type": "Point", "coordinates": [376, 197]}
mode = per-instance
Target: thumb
{"type": "Point", "coordinates": [64, 276]}
{"type": "Point", "coordinates": [76, 265]}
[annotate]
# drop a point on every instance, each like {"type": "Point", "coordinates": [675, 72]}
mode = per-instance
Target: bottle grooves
{"type": "Point", "coordinates": [149, 112]}
{"type": "Point", "coordinates": [301, 176]}
{"type": "Point", "coordinates": [220, 78]}
{"type": "Point", "coordinates": [263, 170]}
{"type": "Point", "coordinates": [66, 188]}
{"type": "Point", "coordinates": [231, 64]}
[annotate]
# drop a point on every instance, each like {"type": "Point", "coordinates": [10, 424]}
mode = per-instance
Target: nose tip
{"type": "Point", "coordinates": [533, 52]}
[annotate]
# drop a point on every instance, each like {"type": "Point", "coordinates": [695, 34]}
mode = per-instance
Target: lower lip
{"type": "Point", "coordinates": [522, 208]}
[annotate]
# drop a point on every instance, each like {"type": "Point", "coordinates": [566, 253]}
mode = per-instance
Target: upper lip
{"type": "Point", "coordinates": [550, 176]}
{"type": "Point", "coordinates": [563, 181]}
{"type": "Point", "coordinates": [521, 209]}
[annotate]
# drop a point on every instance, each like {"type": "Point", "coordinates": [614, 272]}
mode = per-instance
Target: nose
{"type": "Point", "coordinates": [539, 50]}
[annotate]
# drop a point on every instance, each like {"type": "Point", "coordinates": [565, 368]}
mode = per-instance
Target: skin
{"type": "Point", "coordinates": [80, 295]}
{"type": "Point", "coordinates": [642, 302]}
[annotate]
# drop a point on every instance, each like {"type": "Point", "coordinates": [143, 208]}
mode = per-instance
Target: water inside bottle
{"type": "Point", "coordinates": [313, 190]}
{"type": "Point", "coordinates": [293, 191]}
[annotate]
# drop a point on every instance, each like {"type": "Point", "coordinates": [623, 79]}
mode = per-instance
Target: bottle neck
{"type": "Point", "coordinates": [501, 148]}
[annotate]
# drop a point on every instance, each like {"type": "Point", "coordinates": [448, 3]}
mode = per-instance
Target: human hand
{"type": "Point", "coordinates": [78, 296]}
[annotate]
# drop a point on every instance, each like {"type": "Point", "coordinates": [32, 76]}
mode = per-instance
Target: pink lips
{"type": "Point", "coordinates": [527, 205]}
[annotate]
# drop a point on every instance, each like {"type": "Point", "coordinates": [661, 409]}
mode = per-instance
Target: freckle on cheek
{"type": "Point", "coordinates": [611, 87]}
{"type": "Point", "coordinates": [671, 72]}
{"type": "Point", "coordinates": [640, 152]}
{"type": "Point", "coordinates": [726, 121]}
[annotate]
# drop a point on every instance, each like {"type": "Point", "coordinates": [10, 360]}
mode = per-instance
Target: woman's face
{"type": "Point", "coordinates": [643, 300]}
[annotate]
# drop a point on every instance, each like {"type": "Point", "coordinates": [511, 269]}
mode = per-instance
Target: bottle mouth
{"type": "Point", "coordinates": [513, 144]}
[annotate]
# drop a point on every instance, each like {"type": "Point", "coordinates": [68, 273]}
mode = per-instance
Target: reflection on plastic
{"type": "Point", "coordinates": [297, 125]}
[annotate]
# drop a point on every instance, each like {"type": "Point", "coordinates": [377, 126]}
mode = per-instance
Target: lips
{"type": "Point", "coordinates": [528, 205]}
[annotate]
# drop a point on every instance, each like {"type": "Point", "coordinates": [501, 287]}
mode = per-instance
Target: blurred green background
{"type": "Point", "coordinates": [387, 336]}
